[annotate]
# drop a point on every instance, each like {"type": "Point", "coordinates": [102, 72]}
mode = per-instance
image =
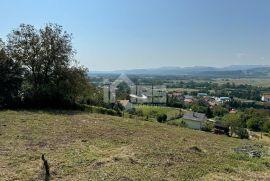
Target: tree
{"type": "Point", "coordinates": [242, 133]}
{"type": "Point", "coordinates": [52, 75]}
{"type": "Point", "coordinates": [209, 113]}
{"type": "Point", "coordinates": [237, 124]}
{"type": "Point", "coordinates": [162, 118]}
{"type": "Point", "coordinates": [10, 79]}
{"type": "Point", "coordinates": [254, 123]}
{"type": "Point", "coordinates": [219, 110]}
{"type": "Point", "coordinates": [123, 91]}
{"type": "Point", "coordinates": [233, 121]}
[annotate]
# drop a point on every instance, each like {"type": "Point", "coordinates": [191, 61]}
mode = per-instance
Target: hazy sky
{"type": "Point", "coordinates": [124, 34]}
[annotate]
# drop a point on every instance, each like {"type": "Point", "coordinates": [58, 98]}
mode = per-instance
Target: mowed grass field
{"type": "Point", "coordinates": [81, 146]}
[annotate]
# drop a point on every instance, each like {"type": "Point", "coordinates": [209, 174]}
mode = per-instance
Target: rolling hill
{"type": "Point", "coordinates": [233, 71]}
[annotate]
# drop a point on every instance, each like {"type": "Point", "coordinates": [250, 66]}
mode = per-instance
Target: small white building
{"type": "Point", "coordinates": [195, 120]}
{"type": "Point", "coordinates": [266, 98]}
{"type": "Point", "coordinates": [222, 99]}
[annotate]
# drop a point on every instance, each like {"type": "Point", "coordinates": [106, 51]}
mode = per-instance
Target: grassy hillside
{"type": "Point", "coordinates": [154, 110]}
{"type": "Point", "coordinates": [82, 146]}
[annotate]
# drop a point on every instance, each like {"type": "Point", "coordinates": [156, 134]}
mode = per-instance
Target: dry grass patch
{"type": "Point", "coordinates": [81, 146]}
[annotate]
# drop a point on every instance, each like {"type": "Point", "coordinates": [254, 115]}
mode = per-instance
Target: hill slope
{"type": "Point", "coordinates": [82, 146]}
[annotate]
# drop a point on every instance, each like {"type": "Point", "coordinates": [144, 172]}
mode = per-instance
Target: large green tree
{"type": "Point", "coordinates": [234, 121]}
{"type": "Point", "coordinates": [52, 75]}
{"type": "Point", "coordinates": [10, 79]}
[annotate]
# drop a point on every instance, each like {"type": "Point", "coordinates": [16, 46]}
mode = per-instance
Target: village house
{"type": "Point", "coordinates": [195, 120]}
{"type": "Point", "coordinates": [222, 99]}
{"type": "Point", "coordinates": [201, 94]}
{"type": "Point", "coordinates": [188, 99]}
{"type": "Point", "coordinates": [266, 98]}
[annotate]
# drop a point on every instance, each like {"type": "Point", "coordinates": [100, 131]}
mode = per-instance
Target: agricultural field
{"type": "Point", "coordinates": [251, 81]}
{"type": "Point", "coordinates": [83, 146]}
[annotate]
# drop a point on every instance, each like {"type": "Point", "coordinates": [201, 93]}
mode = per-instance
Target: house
{"type": "Point", "coordinates": [201, 94]}
{"type": "Point", "coordinates": [222, 99]}
{"type": "Point", "coordinates": [195, 120]}
{"type": "Point", "coordinates": [126, 104]}
{"type": "Point", "coordinates": [266, 98]}
{"type": "Point", "coordinates": [188, 99]}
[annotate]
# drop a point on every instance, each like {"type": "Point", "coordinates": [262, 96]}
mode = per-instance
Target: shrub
{"type": "Point", "coordinates": [139, 113]}
{"type": "Point", "coordinates": [100, 110]}
{"type": "Point", "coordinates": [177, 122]}
{"type": "Point", "coordinates": [208, 127]}
{"type": "Point", "coordinates": [183, 124]}
{"type": "Point", "coordinates": [266, 126]}
{"type": "Point", "coordinates": [253, 124]}
{"type": "Point", "coordinates": [242, 133]}
{"type": "Point", "coordinates": [162, 118]}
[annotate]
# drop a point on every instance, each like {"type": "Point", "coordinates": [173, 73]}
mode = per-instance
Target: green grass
{"type": "Point", "coordinates": [154, 110]}
{"type": "Point", "coordinates": [81, 146]}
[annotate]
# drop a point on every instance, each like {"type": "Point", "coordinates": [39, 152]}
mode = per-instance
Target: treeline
{"type": "Point", "coordinates": [242, 91]}
{"type": "Point", "coordinates": [254, 119]}
{"type": "Point", "coordinates": [38, 69]}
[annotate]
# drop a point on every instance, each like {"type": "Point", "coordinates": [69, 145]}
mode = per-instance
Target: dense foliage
{"type": "Point", "coordinates": [51, 76]}
{"type": "Point", "coordinates": [10, 80]}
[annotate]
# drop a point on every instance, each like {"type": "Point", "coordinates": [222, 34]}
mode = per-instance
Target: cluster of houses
{"type": "Point", "coordinates": [212, 101]}
{"type": "Point", "coordinates": [266, 98]}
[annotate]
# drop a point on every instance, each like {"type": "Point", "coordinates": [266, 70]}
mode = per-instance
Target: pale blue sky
{"type": "Point", "coordinates": [124, 34]}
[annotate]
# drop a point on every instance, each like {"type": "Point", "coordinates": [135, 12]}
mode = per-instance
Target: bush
{"type": "Point", "coordinates": [162, 118]}
{"type": "Point", "coordinates": [253, 124]}
{"type": "Point", "coordinates": [266, 126]}
{"type": "Point", "coordinates": [242, 133]}
{"type": "Point", "coordinates": [177, 122]}
{"type": "Point", "coordinates": [208, 127]}
{"type": "Point", "coordinates": [100, 110]}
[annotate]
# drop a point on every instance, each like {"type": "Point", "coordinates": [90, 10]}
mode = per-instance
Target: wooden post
{"type": "Point", "coordinates": [46, 167]}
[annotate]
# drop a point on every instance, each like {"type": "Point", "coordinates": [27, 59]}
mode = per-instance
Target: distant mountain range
{"type": "Point", "coordinates": [233, 70]}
